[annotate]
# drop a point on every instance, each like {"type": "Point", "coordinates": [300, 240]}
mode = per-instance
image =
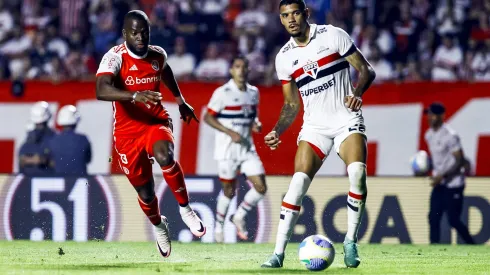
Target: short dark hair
{"type": "Point", "coordinates": [136, 15]}
{"type": "Point", "coordinates": [239, 57]}
{"type": "Point", "coordinates": [301, 3]}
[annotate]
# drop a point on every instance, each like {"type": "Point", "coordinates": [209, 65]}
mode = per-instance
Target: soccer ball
{"type": "Point", "coordinates": [316, 252]}
{"type": "Point", "coordinates": [420, 162]}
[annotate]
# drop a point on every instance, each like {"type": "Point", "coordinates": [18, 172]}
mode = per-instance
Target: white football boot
{"type": "Point", "coordinates": [163, 238]}
{"type": "Point", "coordinates": [194, 223]}
{"type": "Point", "coordinates": [219, 235]}
{"type": "Point", "coordinates": [241, 228]}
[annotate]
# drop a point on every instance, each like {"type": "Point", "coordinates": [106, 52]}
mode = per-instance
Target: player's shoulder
{"type": "Point", "coordinates": [117, 50]}
{"type": "Point", "coordinates": [449, 131]}
{"type": "Point", "coordinates": [223, 89]}
{"type": "Point", "coordinates": [252, 88]}
{"type": "Point", "coordinates": [157, 50]}
{"type": "Point", "coordinates": [285, 50]}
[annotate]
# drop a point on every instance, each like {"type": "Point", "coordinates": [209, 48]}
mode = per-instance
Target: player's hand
{"type": "Point", "coordinates": [257, 127]}
{"type": "Point", "coordinates": [272, 140]}
{"type": "Point", "coordinates": [148, 97]}
{"type": "Point", "coordinates": [436, 180]}
{"type": "Point", "coordinates": [187, 113]}
{"type": "Point", "coordinates": [235, 137]}
{"type": "Point", "coordinates": [354, 103]}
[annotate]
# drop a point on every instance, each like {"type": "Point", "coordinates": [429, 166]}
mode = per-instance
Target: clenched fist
{"type": "Point", "coordinates": [272, 140]}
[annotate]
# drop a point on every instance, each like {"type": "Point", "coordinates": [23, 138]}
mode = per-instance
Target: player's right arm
{"type": "Point", "coordinates": [290, 107]}
{"type": "Point", "coordinates": [105, 90]}
{"type": "Point", "coordinates": [214, 107]}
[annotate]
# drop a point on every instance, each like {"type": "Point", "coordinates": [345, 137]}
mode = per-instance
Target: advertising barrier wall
{"type": "Point", "coordinates": [106, 208]}
{"type": "Point", "coordinates": [395, 126]}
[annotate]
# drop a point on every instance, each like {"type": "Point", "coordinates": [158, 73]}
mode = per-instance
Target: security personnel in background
{"type": "Point", "coordinates": [34, 153]}
{"type": "Point", "coordinates": [70, 152]}
{"type": "Point", "coordinates": [448, 175]}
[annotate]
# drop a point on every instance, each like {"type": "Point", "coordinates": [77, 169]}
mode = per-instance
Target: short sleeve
{"type": "Point", "coordinates": [454, 144]}
{"type": "Point", "coordinates": [110, 64]}
{"type": "Point", "coordinates": [342, 42]}
{"type": "Point", "coordinates": [281, 71]}
{"type": "Point", "coordinates": [216, 104]}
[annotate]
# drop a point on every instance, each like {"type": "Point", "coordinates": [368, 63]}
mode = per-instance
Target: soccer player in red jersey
{"type": "Point", "coordinates": [129, 75]}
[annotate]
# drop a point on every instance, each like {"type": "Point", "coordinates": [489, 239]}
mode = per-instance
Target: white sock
{"type": "Point", "coordinates": [291, 205]}
{"type": "Point", "coordinates": [250, 201]}
{"type": "Point", "coordinates": [356, 199]}
{"type": "Point", "coordinates": [222, 208]}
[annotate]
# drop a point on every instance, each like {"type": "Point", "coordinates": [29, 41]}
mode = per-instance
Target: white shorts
{"type": "Point", "coordinates": [250, 166]}
{"type": "Point", "coordinates": [325, 140]}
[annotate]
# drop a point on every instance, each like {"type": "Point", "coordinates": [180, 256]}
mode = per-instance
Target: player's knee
{"type": "Point", "coordinates": [146, 196]}
{"type": "Point", "coordinates": [164, 159]}
{"type": "Point", "coordinates": [228, 191]}
{"type": "Point", "coordinates": [357, 175]}
{"type": "Point", "coordinates": [261, 188]}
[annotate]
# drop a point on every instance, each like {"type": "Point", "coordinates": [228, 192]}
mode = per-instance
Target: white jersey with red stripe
{"type": "Point", "coordinates": [236, 110]}
{"type": "Point", "coordinates": [321, 74]}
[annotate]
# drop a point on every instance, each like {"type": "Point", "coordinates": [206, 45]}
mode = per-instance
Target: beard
{"type": "Point", "coordinates": [137, 51]}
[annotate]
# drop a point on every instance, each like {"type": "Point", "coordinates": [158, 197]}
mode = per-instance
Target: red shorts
{"type": "Point", "coordinates": [135, 153]}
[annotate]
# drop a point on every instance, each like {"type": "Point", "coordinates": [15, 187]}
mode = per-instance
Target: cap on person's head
{"type": "Point", "coordinates": [40, 112]}
{"type": "Point", "coordinates": [435, 108]}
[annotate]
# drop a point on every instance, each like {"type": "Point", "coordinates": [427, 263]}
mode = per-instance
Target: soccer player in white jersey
{"type": "Point", "coordinates": [232, 111]}
{"type": "Point", "coordinates": [448, 179]}
{"type": "Point", "coordinates": [316, 61]}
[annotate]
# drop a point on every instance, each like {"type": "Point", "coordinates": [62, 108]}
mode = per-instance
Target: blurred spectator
{"type": "Point", "coordinates": [34, 153]}
{"type": "Point", "coordinates": [256, 60]}
{"type": "Point", "coordinates": [449, 18]}
{"type": "Point", "coordinates": [412, 73]}
{"type": "Point", "coordinates": [75, 65]}
{"type": "Point", "coordinates": [212, 67]}
{"type": "Point", "coordinates": [382, 67]}
{"type": "Point", "coordinates": [318, 10]}
{"type": "Point", "coordinates": [406, 30]}
{"type": "Point", "coordinates": [55, 70]}
{"type": "Point", "coordinates": [358, 28]}
{"type": "Point", "coordinates": [480, 65]}
{"type": "Point", "coordinates": [103, 26]}
{"type": "Point", "coordinates": [39, 55]}
{"type": "Point", "coordinates": [6, 21]}
{"type": "Point", "coordinates": [37, 19]}
{"type": "Point", "coordinates": [251, 21]}
{"type": "Point", "coordinates": [482, 29]}
{"type": "Point", "coordinates": [370, 35]}
{"type": "Point", "coordinates": [16, 50]}
{"type": "Point", "coordinates": [188, 27]}
{"type": "Point", "coordinates": [69, 152]}
{"type": "Point", "coordinates": [55, 42]}
{"type": "Point", "coordinates": [74, 15]}
{"type": "Point", "coordinates": [181, 62]}
{"type": "Point", "coordinates": [447, 59]}
{"type": "Point", "coordinates": [166, 9]}
{"type": "Point", "coordinates": [420, 10]}
{"type": "Point", "coordinates": [162, 34]}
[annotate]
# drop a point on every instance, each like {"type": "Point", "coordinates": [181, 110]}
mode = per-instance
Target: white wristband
{"type": "Point", "coordinates": [134, 97]}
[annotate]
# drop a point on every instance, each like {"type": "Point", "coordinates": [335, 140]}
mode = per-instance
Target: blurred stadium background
{"type": "Point", "coordinates": [423, 51]}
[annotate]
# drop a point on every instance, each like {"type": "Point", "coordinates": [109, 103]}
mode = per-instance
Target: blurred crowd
{"type": "Point", "coordinates": [405, 40]}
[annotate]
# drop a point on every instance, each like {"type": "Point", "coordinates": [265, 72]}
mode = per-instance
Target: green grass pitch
{"type": "Point", "coordinates": [23, 257]}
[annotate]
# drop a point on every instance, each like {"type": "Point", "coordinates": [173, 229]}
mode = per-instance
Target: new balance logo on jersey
{"type": "Point", "coordinates": [131, 81]}
{"type": "Point", "coordinates": [311, 69]}
{"type": "Point", "coordinates": [133, 68]}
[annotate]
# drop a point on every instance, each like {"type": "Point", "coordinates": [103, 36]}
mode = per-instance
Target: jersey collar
{"type": "Point", "coordinates": [133, 55]}
{"type": "Point", "coordinates": [232, 83]}
{"type": "Point", "coordinates": [312, 36]}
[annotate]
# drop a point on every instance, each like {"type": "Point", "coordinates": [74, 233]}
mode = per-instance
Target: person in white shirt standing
{"type": "Point", "coordinates": [448, 179]}
{"type": "Point", "coordinates": [316, 62]}
{"type": "Point", "coordinates": [232, 111]}
{"type": "Point", "coordinates": [448, 58]}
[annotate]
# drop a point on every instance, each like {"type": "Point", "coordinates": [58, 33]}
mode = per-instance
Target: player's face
{"type": "Point", "coordinates": [137, 36]}
{"type": "Point", "coordinates": [435, 120]}
{"type": "Point", "coordinates": [293, 19]}
{"type": "Point", "coordinates": [239, 70]}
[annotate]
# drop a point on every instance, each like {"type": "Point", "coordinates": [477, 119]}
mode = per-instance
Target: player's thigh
{"type": "Point", "coordinates": [313, 149]}
{"type": "Point", "coordinates": [160, 144]}
{"type": "Point", "coordinates": [351, 144]}
{"type": "Point", "coordinates": [134, 162]}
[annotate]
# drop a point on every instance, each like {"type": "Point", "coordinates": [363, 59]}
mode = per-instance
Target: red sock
{"type": "Point", "coordinates": [174, 176]}
{"type": "Point", "coordinates": [151, 210]}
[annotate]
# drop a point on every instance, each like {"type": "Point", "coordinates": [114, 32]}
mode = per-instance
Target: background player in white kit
{"type": "Point", "coordinates": [232, 111]}
{"type": "Point", "coordinates": [316, 61]}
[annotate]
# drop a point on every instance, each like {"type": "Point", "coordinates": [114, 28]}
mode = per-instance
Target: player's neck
{"type": "Point", "coordinates": [437, 127]}
{"type": "Point", "coordinates": [304, 38]}
{"type": "Point", "coordinates": [242, 86]}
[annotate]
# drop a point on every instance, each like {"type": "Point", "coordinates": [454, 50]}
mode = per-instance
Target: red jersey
{"type": "Point", "coordinates": [135, 73]}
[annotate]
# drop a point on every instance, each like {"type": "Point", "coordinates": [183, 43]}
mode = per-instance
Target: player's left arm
{"type": "Point", "coordinates": [186, 110]}
{"type": "Point", "coordinates": [366, 77]}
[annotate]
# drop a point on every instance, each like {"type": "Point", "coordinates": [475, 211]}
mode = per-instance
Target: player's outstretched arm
{"type": "Point", "coordinates": [105, 90]}
{"type": "Point", "coordinates": [186, 110]}
{"type": "Point", "coordinates": [289, 111]}
{"type": "Point", "coordinates": [213, 122]}
{"type": "Point", "coordinates": [366, 77]}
